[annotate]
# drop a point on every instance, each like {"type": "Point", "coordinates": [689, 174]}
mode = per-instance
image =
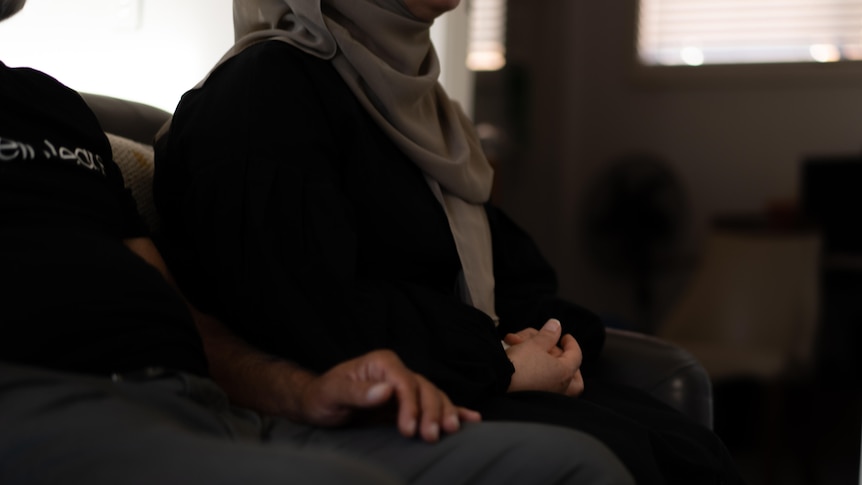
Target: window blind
{"type": "Point", "coordinates": [486, 49]}
{"type": "Point", "coordinates": [695, 32]}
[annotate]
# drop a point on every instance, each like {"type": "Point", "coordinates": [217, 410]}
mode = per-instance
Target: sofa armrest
{"type": "Point", "coordinates": [660, 368]}
{"type": "Point", "coordinates": [130, 119]}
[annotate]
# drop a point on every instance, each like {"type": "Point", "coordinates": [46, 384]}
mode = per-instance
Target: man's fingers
{"type": "Point", "coordinates": [408, 408]}
{"type": "Point", "coordinates": [433, 410]}
{"type": "Point", "coordinates": [423, 409]}
{"type": "Point", "coordinates": [451, 417]}
{"type": "Point", "coordinates": [468, 415]}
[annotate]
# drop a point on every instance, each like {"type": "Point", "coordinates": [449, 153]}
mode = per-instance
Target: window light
{"type": "Point", "coordinates": [694, 32]}
{"type": "Point", "coordinates": [486, 48]}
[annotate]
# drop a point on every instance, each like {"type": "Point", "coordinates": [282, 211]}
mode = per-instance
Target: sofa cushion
{"type": "Point", "coordinates": [136, 161]}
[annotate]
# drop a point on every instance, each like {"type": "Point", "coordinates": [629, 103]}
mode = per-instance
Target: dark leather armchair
{"type": "Point", "coordinates": [660, 368]}
{"type": "Point", "coordinates": [664, 370]}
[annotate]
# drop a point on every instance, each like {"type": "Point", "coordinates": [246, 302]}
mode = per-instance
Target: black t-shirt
{"type": "Point", "coordinates": [74, 297]}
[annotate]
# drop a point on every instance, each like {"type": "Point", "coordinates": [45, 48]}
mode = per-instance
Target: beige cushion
{"type": "Point", "coordinates": [136, 161]}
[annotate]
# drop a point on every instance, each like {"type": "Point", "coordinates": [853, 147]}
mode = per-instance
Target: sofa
{"type": "Point", "coordinates": [658, 367]}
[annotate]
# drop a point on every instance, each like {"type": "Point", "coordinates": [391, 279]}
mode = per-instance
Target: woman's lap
{"type": "Point", "coordinates": [657, 443]}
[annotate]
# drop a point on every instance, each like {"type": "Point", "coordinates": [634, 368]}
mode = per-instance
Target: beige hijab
{"type": "Point", "coordinates": [385, 56]}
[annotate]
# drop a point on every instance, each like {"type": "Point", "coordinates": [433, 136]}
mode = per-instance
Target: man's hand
{"type": "Point", "coordinates": [541, 365]}
{"type": "Point", "coordinates": [274, 386]}
{"type": "Point", "coordinates": [277, 387]}
{"type": "Point", "coordinates": [371, 381]}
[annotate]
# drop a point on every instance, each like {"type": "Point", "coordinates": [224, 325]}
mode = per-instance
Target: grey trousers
{"type": "Point", "coordinates": [177, 428]}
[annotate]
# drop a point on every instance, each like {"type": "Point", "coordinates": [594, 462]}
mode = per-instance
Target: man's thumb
{"type": "Point", "coordinates": [378, 393]}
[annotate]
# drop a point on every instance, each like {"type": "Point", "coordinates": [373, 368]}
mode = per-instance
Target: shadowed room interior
{"type": "Point", "coordinates": [708, 171]}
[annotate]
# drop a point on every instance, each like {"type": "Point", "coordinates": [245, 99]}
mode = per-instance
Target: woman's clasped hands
{"type": "Point", "coordinates": [543, 365]}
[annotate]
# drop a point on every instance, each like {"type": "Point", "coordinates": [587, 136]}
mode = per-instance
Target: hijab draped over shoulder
{"type": "Point", "coordinates": [385, 55]}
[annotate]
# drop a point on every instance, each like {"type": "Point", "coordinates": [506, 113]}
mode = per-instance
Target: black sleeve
{"type": "Point", "coordinates": [247, 192]}
{"type": "Point", "coordinates": [526, 289]}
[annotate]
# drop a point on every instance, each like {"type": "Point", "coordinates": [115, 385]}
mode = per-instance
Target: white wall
{"type": "Point", "coordinates": [147, 50]}
{"type": "Point", "coordinates": [449, 34]}
{"type": "Point", "coordinates": [154, 50]}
